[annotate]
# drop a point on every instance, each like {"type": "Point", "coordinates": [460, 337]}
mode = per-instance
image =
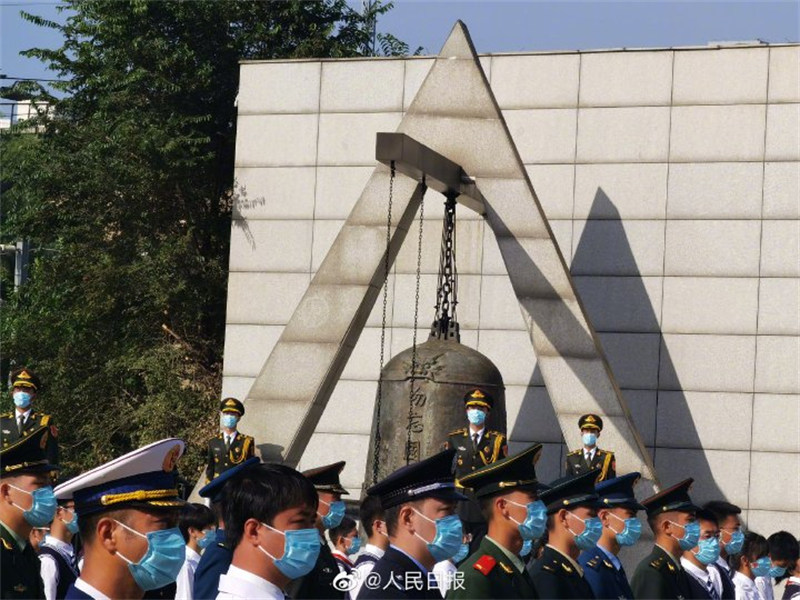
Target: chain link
{"type": "Point", "coordinates": [445, 324]}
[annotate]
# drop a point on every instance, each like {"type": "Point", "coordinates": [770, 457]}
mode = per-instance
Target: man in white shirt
{"type": "Point", "coordinates": [372, 519]}
{"type": "Point", "coordinates": [56, 554]}
{"type": "Point", "coordinates": [196, 523]}
{"type": "Point", "coordinates": [704, 581]}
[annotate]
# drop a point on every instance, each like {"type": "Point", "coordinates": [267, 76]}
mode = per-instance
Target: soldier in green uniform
{"type": "Point", "coordinates": [229, 447]}
{"type": "Point", "coordinates": [24, 419]}
{"type": "Point", "coordinates": [590, 457]}
{"type": "Point", "coordinates": [475, 447]}
{"type": "Point", "coordinates": [670, 514]}
{"type": "Point", "coordinates": [26, 501]}
{"type": "Point", "coordinates": [508, 495]}
{"type": "Point", "coordinates": [572, 526]}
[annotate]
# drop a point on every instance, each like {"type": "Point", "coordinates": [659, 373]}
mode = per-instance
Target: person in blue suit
{"type": "Point", "coordinates": [617, 508]}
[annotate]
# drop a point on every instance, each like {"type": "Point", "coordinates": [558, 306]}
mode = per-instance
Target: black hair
{"type": "Point", "coordinates": [341, 530]}
{"type": "Point", "coordinates": [261, 492]}
{"type": "Point", "coordinates": [755, 546]}
{"type": "Point", "coordinates": [393, 515]}
{"type": "Point", "coordinates": [370, 511]}
{"type": "Point", "coordinates": [722, 510]}
{"type": "Point", "coordinates": [487, 503]}
{"type": "Point", "coordinates": [783, 546]}
{"type": "Point", "coordinates": [87, 524]}
{"type": "Point", "coordinates": [197, 516]}
{"type": "Point", "coordinates": [703, 514]}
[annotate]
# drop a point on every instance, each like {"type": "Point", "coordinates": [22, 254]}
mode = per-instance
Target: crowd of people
{"type": "Point", "coordinates": [468, 522]}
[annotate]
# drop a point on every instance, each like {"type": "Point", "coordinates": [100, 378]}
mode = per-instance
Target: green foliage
{"type": "Point", "coordinates": [126, 194]}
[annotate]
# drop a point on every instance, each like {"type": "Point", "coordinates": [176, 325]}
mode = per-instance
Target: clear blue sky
{"type": "Point", "coordinates": [504, 26]}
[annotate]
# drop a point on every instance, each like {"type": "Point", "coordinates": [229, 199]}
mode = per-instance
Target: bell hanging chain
{"type": "Point", "coordinates": [445, 325]}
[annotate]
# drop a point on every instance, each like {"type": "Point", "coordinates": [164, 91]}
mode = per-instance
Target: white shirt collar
{"type": "Point", "coordinates": [480, 433]}
{"type": "Point", "coordinates": [694, 570]}
{"type": "Point", "coordinates": [374, 550]}
{"type": "Point", "coordinates": [81, 585]}
{"type": "Point", "coordinates": [25, 414]}
{"type": "Point", "coordinates": [723, 564]}
{"type": "Point", "coordinates": [62, 547]}
{"type": "Point", "coordinates": [245, 584]}
{"type": "Point", "coordinates": [192, 556]}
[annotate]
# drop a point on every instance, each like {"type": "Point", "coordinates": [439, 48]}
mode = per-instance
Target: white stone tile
{"type": "Point", "coordinates": [236, 387]}
{"type": "Point", "coordinates": [782, 190]}
{"type": "Point", "coordinates": [264, 298]}
{"type": "Point", "coordinates": [707, 363]}
{"type": "Point", "coordinates": [775, 419]}
{"type": "Point", "coordinates": [325, 233]}
{"type": "Point", "coordinates": [691, 420]}
{"type": "Point", "coordinates": [773, 520]}
{"type": "Point", "coordinates": [338, 189]}
{"type": "Point", "coordinates": [710, 305]}
{"type": "Point", "coordinates": [622, 304]}
{"type": "Point", "coordinates": [717, 133]}
{"type": "Point", "coordinates": [493, 260]}
{"type": "Point", "coordinates": [362, 86]}
{"type": "Point", "coordinates": [562, 230]}
{"type": "Point", "coordinates": [271, 246]}
{"type": "Point", "coordinates": [768, 492]}
{"type": "Point", "coordinates": [349, 408]}
{"type": "Point", "coordinates": [512, 352]}
{"type": "Point", "coordinates": [642, 405]}
{"type": "Point", "coordinates": [779, 306]}
{"type": "Point", "coordinates": [530, 415]}
{"type": "Point", "coordinates": [621, 191]}
{"type": "Point", "coordinates": [717, 473]}
{"type": "Point", "coordinates": [404, 292]}
{"type": "Point", "coordinates": [279, 87]}
{"type": "Point", "coordinates": [349, 139]}
{"type": "Point", "coordinates": [618, 135]}
{"type": "Point", "coordinates": [626, 78]}
{"type": "Point", "coordinates": [723, 76]}
{"type": "Point", "coordinates": [416, 69]}
{"type": "Point", "coordinates": [715, 191]}
{"type": "Point", "coordinates": [618, 248]}
{"type": "Point", "coordinates": [553, 185]}
{"type": "Point", "coordinates": [364, 363]}
{"type": "Point", "coordinates": [274, 193]}
{"type": "Point", "coordinates": [543, 135]}
{"type": "Point", "coordinates": [784, 74]}
{"type": "Point", "coordinates": [778, 364]}
{"type": "Point", "coordinates": [350, 447]}
{"type": "Point", "coordinates": [500, 308]}
{"type": "Point", "coordinates": [783, 132]}
{"type": "Point", "coordinates": [276, 140]}
{"type": "Point", "coordinates": [469, 248]}
{"type": "Point", "coordinates": [633, 358]}
{"type": "Point", "coordinates": [780, 249]}
{"type": "Point", "coordinates": [247, 348]}
{"type": "Point", "coordinates": [549, 81]}
{"type": "Point", "coordinates": [712, 248]}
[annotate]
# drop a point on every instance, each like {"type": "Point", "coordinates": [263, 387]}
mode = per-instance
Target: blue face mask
{"type": "Point", "coordinates": [335, 514]}
{"type": "Point", "coordinates": [163, 560]}
{"type": "Point", "coordinates": [44, 506]}
{"type": "Point", "coordinates": [776, 571]}
{"type": "Point", "coordinates": [589, 439]}
{"type": "Point", "coordinates": [22, 399]}
{"type": "Point", "coordinates": [462, 553]}
{"type": "Point", "coordinates": [72, 524]}
{"type": "Point", "coordinates": [535, 520]}
{"type": "Point", "coordinates": [527, 546]}
{"type": "Point", "coordinates": [355, 546]}
{"type": "Point", "coordinates": [691, 535]}
{"type": "Point", "coordinates": [300, 551]}
{"type": "Point", "coordinates": [476, 416]}
{"type": "Point", "coordinates": [207, 539]}
{"type": "Point", "coordinates": [631, 532]}
{"type": "Point", "coordinates": [736, 543]}
{"type": "Point", "coordinates": [592, 530]}
{"type": "Point", "coordinates": [708, 551]}
{"type": "Point", "coordinates": [229, 420]}
{"type": "Point", "coordinates": [761, 566]}
{"type": "Point", "coordinates": [447, 539]}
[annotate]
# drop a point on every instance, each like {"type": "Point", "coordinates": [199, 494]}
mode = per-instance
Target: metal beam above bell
{"type": "Point", "coordinates": [429, 167]}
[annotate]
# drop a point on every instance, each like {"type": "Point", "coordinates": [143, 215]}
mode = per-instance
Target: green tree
{"type": "Point", "coordinates": [127, 195]}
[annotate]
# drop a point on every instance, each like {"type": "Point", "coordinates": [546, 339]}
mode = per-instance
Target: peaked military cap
{"type": "Point", "coordinates": [618, 492]}
{"type": "Point", "coordinates": [478, 397]}
{"type": "Point", "coordinates": [24, 377]}
{"type": "Point", "coordinates": [214, 488]}
{"type": "Point", "coordinates": [326, 479]}
{"type": "Point", "coordinates": [144, 478]}
{"type": "Point", "coordinates": [672, 498]}
{"type": "Point", "coordinates": [27, 454]}
{"type": "Point", "coordinates": [569, 492]}
{"type": "Point", "coordinates": [433, 477]}
{"type": "Point", "coordinates": [231, 405]}
{"type": "Point", "coordinates": [590, 422]}
{"type": "Point", "coordinates": [506, 475]}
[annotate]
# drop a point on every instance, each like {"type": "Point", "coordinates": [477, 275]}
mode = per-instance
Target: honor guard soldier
{"type": "Point", "coordinates": [26, 501]}
{"type": "Point", "coordinates": [319, 582]}
{"type": "Point", "coordinates": [24, 419]}
{"type": "Point", "coordinates": [590, 457]}
{"type": "Point", "coordinates": [617, 508]}
{"type": "Point", "coordinates": [572, 526]}
{"type": "Point", "coordinates": [229, 448]}
{"type": "Point", "coordinates": [419, 501]}
{"type": "Point", "coordinates": [475, 447]}
{"type": "Point", "coordinates": [670, 514]}
{"type": "Point", "coordinates": [508, 494]}
{"type": "Point", "coordinates": [127, 514]}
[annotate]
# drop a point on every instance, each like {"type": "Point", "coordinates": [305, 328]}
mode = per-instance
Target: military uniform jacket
{"type": "Point", "coordinates": [19, 570]}
{"type": "Point", "coordinates": [555, 577]}
{"type": "Point", "coordinates": [489, 574]}
{"type": "Point", "coordinates": [10, 431]}
{"type": "Point", "coordinates": [603, 460]}
{"type": "Point", "coordinates": [605, 580]}
{"type": "Point", "coordinates": [392, 573]}
{"type": "Point", "coordinates": [319, 582]}
{"type": "Point", "coordinates": [215, 561]}
{"type": "Point", "coordinates": [657, 576]}
{"type": "Point", "coordinates": [220, 458]}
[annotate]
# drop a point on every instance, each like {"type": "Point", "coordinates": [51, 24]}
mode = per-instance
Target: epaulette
{"type": "Point", "coordinates": [574, 452]}
{"type": "Point", "coordinates": [594, 563]}
{"type": "Point", "coordinates": [658, 563]}
{"type": "Point", "coordinates": [601, 452]}
{"type": "Point", "coordinates": [548, 568]}
{"type": "Point", "coordinates": [45, 420]}
{"type": "Point", "coordinates": [8, 415]}
{"type": "Point", "coordinates": [484, 564]}
{"type": "Point", "coordinates": [461, 431]}
{"type": "Point", "coordinates": [506, 568]}
{"type": "Point", "coordinates": [7, 545]}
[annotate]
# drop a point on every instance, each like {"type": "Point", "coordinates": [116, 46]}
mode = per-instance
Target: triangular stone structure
{"type": "Point", "coordinates": [454, 113]}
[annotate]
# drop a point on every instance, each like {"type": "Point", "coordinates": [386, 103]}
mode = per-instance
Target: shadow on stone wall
{"type": "Point", "coordinates": [242, 202]}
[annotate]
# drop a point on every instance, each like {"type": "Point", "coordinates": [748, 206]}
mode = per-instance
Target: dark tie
{"type": "Point", "coordinates": [227, 442]}
{"type": "Point", "coordinates": [475, 441]}
{"type": "Point", "coordinates": [712, 591]}
{"type": "Point", "coordinates": [21, 423]}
